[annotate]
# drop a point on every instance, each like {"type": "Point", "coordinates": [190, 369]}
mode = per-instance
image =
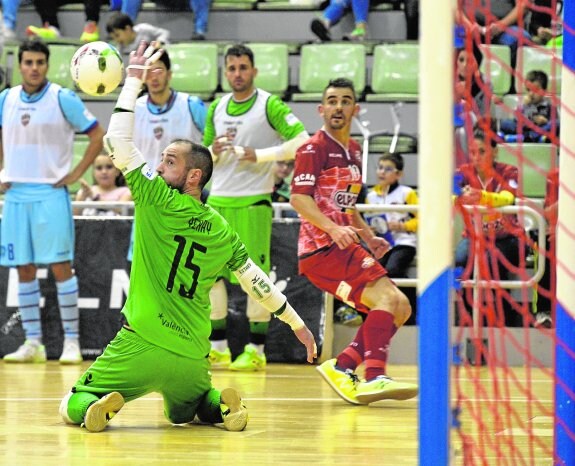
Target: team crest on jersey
{"type": "Point", "coordinates": [25, 119]}
{"type": "Point", "coordinates": [158, 132]}
{"type": "Point", "coordinates": [367, 262]}
{"type": "Point", "coordinates": [231, 132]}
{"type": "Point", "coordinates": [148, 172]}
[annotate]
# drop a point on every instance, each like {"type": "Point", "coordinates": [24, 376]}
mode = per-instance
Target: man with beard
{"type": "Point", "coordinates": [162, 347]}
{"type": "Point", "coordinates": [247, 131]}
{"type": "Point", "coordinates": [325, 186]}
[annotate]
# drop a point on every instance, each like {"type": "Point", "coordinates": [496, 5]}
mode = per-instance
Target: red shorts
{"type": "Point", "coordinates": [343, 272]}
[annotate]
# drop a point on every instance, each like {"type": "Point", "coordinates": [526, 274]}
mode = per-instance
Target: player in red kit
{"type": "Point", "coordinates": [325, 186]}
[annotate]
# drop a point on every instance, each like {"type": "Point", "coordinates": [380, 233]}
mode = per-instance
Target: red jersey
{"type": "Point", "coordinates": [504, 179]}
{"type": "Point", "coordinates": [331, 174]}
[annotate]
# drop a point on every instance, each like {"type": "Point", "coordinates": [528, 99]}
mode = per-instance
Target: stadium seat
{"type": "Point", "coordinates": [395, 73]}
{"type": "Point", "coordinates": [319, 63]}
{"type": "Point", "coordinates": [535, 58]}
{"type": "Point", "coordinates": [194, 68]}
{"type": "Point", "coordinates": [271, 60]}
{"type": "Point", "coordinates": [496, 67]}
{"type": "Point", "coordinates": [533, 161]}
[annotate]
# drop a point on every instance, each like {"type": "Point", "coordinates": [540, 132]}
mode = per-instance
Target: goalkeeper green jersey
{"type": "Point", "coordinates": [181, 245]}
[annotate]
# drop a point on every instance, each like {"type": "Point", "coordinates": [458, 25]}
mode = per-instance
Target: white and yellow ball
{"type": "Point", "coordinates": [97, 68]}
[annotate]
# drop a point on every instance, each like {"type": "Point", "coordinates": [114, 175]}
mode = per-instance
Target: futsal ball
{"type": "Point", "coordinates": [97, 68]}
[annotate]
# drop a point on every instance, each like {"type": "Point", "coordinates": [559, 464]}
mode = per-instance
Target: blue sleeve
{"type": "Point", "coordinates": [198, 111]}
{"type": "Point", "coordinates": [76, 112]}
{"type": "Point", "coordinates": [2, 100]}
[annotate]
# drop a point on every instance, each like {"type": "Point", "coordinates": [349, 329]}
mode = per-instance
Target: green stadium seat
{"type": "Point", "coordinates": [535, 58]}
{"type": "Point", "coordinates": [195, 68]}
{"type": "Point", "coordinates": [496, 67]}
{"type": "Point", "coordinates": [321, 62]}
{"type": "Point", "coordinates": [395, 73]}
{"type": "Point", "coordinates": [271, 60]}
{"type": "Point", "coordinates": [533, 161]}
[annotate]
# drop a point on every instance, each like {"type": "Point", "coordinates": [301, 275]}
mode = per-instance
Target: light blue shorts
{"type": "Point", "coordinates": [37, 226]}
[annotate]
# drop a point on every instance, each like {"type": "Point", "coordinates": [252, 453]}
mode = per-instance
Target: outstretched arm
{"type": "Point", "coordinates": [119, 138]}
{"type": "Point", "coordinates": [259, 287]}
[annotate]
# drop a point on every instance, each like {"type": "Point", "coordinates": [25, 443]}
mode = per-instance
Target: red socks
{"type": "Point", "coordinates": [378, 329]}
{"type": "Point", "coordinates": [352, 355]}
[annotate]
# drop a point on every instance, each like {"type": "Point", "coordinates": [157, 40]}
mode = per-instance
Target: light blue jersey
{"type": "Point", "coordinates": [37, 139]}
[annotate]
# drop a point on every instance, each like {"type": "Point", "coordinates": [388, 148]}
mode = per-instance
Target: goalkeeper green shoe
{"type": "Point", "coordinates": [220, 359]}
{"type": "Point", "coordinates": [249, 361]}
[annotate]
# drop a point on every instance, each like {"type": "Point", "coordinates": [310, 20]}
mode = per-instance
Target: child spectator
{"type": "Point", "coordinates": [109, 186]}
{"type": "Point", "coordinates": [539, 119]}
{"type": "Point", "coordinates": [128, 36]}
{"type": "Point", "coordinates": [398, 228]}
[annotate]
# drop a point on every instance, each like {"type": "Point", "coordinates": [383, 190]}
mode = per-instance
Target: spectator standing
{"type": "Point", "coordinates": [37, 225]}
{"type": "Point", "coordinates": [325, 186]}
{"type": "Point", "coordinates": [201, 9]}
{"type": "Point", "coordinates": [162, 347]}
{"type": "Point", "coordinates": [248, 130]}
{"type": "Point", "coordinates": [50, 29]}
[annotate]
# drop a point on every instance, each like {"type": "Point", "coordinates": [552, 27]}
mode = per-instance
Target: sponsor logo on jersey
{"type": "Point", "coordinates": [231, 132]}
{"type": "Point", "coordinates": [346, 200]}
{"type": "Point", "coordinates": [158, 132]}
{"type": "Point", "coordinates": [513, 184]}
{"type": "Point", "coordinates": [25, 119]}
{"type": "Point", "coordinates": [199, 225]}
{"type": "Point", "coordinates": [309, 149]}
{"type": "Point", "coordinates": [357, 155]}
{"type": "Point", "coordinates": [367, 262]}
{"type": "Point", "coordinates": [148, 172]}
{"type": "Point", "coordinates": [172, 325]}
{"type": "Point", "coordinates": [335, 155]}
{"type": "Point", "coordinates": [291, 119]}
{"type": "Point", "coordinates": [305, 179]}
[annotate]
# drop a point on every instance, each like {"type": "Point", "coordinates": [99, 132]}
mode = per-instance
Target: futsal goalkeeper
{"type": "Point", "coordinates": [181, 246]}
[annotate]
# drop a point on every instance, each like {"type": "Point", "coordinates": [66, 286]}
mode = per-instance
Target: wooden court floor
{"type": "Point", "coordinates": [295, 418]}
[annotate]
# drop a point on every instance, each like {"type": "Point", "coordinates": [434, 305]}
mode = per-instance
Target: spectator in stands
{"type": "Point", "coordinates": [546, 25]}
{"type": "Point", "coordinates": [201, 9]}
{"type": "Point", "coordinates": [248, 130]}
{"type": "Point", "coordinates": [50, 29]}
{"type": "Point", "coordinates": [128, 35]}
{"type": "Point", "coordinates": [109, 186]}
{"type": "Point", "coordinates": [546, 288]}
{"type": "Point", "coordinates": [37, 225]}
{"type": "Point", "coordinates": [539, 117]}
{"type": "Point", "coordinates": [334, 12]}
{"type": "Point", "coordinates": [326, 182]}
{"type": "Point", "coordinates": [164, 115]}
{"type": "Point", "coordinates": [486, 182]}
{"type": "Point", "coordinates": [472, 95]}
{"type": "Point", "coordinates": [496, 22]}
{"type": "Point", "coordinates": [399, 229]}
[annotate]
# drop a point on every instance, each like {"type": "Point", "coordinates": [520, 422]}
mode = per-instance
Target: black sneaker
{"type": "Point", "coordinates": [320, 30]}
{"type": "Point", "coordinates": [543, 319]}
{"type": "Point", "coordinates": [196, 36]}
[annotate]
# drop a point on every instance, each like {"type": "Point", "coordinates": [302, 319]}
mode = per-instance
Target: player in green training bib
{"type": "Point", "coordinates": [248, 130]}
{"type": "Point", "coordinates": [180, 249]}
